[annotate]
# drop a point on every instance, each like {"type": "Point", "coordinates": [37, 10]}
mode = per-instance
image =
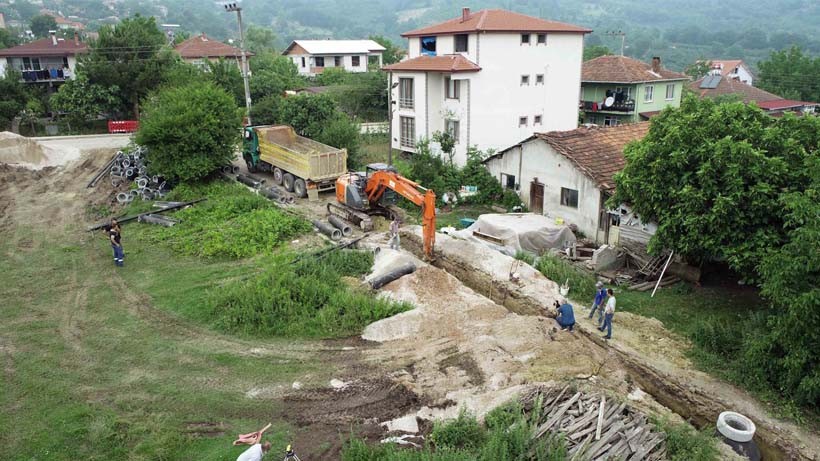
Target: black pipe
{"type": "Point", "coordinates": [248, 181]}
{"type": "Point", "coordinates": [131, 218]}
{"type": "Point", "coordinates": [384, 279]}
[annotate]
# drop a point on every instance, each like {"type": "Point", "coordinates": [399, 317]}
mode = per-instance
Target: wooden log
{"type": "Point", "coordinates": [582, 422]}
{"type": "Point", "coordinates": [580, 449]}
{"type": "Point", "coordinates": [600, 418]}
{"type": "Point", "coordinates": [601, 445]}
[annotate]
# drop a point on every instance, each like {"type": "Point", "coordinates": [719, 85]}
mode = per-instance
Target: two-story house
{"type": "Point", "coordinates": [490, 78]}
{"type": "Point", "coordinates": [734, 69]}
{"type": "Point", "coordinates": [618, 89]}
{"type": "Point", "coordinates": [48, 61]}
{"type": "Point", "coordinates": [201, 48]}
{"type": "Point", "coordinates": [314, 56]}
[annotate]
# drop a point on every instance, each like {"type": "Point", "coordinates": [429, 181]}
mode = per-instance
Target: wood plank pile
{"type": "Point", "coordinates": [594, 428]}
{"type": "Point", "coordinates": [646, 286]}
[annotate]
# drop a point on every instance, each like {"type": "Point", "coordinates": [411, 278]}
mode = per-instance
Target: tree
{"type": "Point", "coordinates": [698, 69]}
{"type": "Point", "coordinates": [130, 56]}
{"type": "Point", "coordinates": [260, 39]}
{"type": "Point", "coordinates": [714, 187]}
{"type": "Point", "coordinates": [226, 75]}
{"type": "Point", "coordinates": [31, 114]}
{"type": "Point", "coordinates": [307, 113]}
{"type": "Point", "coordinates": [364, 97]}
{"type": "Point", "coordinates": [189, 131]}
{"type": "Point", "coordinates": [392, 53]}
{"type": "Point", "coordinates": [447, 143]}
{"type": "Point", "coordinates": [791, 74]}
{"type": "Point", "coordinates": [82, 100]}
{"type": "Point", "coordinates": [7, 39]}
{"type": "Point", "coordinates": [594, 51]}
{"type": "Point", "coordinates": [14, 97]}
{"type": "Point", "coordinates": [333, 76]}
{"type": "Point", "coordinates": [272, 74]}
{"type": "Point", "coordinates": [41, 24]}
{"type": "Point", "coordinates": [340, 132]}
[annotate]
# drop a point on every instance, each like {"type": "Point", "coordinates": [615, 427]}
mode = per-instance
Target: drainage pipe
{"type": "Point", "coordinates": [327, 229]}
{"type": "Point", "coordinates": [339, 223]}
{"type": "Point", "coordinates": [384, 279]}
{"type": "Point", "coordinates": [156, 219]}
{"type": "Point", "coordinates": [248, 181]}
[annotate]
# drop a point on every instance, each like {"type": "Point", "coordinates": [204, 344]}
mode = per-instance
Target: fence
{"type": "Point", "coordinates": [123, 126]}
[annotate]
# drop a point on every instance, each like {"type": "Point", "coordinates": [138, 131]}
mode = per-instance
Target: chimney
{"type": "Point", "coordinates": [53, 34]}
{"type": "Point", "coordinates": [465, 14]}
{"type": "Point", "coordinates": [656, 64]}
{"type": "Point", "coordinates": [76, 38]}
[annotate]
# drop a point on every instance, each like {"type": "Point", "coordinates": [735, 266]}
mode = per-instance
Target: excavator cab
{"type": "Point", "coordinates": [389, 197]}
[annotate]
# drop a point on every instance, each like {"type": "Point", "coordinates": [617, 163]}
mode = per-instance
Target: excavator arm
{"type": "Point", "coordinates": [380, 181]}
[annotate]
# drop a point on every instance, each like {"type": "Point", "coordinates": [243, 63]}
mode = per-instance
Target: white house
{"type": "Point", "coordinates": [490, 78]}
{"type": "Point", "coordinates": [567, 175]}
{"type": "Point", "coordinates": [734, 69]}
{"type": "Point", "coordinates": [314, 56]}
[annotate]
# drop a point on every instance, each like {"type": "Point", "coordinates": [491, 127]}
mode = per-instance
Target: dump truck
{"type": "Point", "coordinates": [301, 165]}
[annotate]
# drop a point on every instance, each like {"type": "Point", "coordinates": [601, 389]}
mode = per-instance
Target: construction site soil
{"type": "Point", "coordinates": [475, 339]}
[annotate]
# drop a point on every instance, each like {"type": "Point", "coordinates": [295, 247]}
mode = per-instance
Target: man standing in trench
{"type": "Point", "coordinates": [394, 233]}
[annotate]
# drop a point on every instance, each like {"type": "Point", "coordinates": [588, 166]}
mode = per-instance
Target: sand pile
{"type": "Point", "coordinates": [25, 152]}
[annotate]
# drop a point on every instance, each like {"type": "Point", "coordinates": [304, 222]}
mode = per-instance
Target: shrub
{"type": "Point", "coordinates": [525, 256]}
{"type": "Point", "coordinates": [683, 443]}
{"type": "Point", "coordinates": [189, 131]}
{"type": "Point", "coordinates": [463, 432]}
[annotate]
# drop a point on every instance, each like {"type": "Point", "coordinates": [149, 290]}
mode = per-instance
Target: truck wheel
{"type": "Point", "coordinates": [251, 168]}
{"type": "Point", "coordinates": [277, 176]}
{"type": "Point", "coordinates": [299, 188]}
{"type": "Point", "coordinates": [287, 179]}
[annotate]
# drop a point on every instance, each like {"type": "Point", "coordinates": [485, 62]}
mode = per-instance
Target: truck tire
{"type": "Point", "coordinates": [277, 176]}
{"type": "Point", "coordinates": [300, 188]}
{"type": "Point", "coordinates": [251, 168]}
{"type": "Point", "coordinates": [287, 180]}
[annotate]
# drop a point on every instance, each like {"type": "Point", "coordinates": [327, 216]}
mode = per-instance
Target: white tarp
{"type": "Point", "coordinates": [520, 231]}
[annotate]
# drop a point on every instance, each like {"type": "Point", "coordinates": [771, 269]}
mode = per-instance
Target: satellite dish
{"type": "Point", "coordinates": [609, 101]}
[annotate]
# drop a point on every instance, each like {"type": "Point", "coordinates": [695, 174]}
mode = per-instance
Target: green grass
{"type": "Point", "coordinates": [452, 218]}
{"type": "Point", "coordinates": [683, 443]}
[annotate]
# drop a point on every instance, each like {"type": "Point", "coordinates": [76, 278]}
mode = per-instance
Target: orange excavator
{"type": "Point", "coordinates": [361, 195]}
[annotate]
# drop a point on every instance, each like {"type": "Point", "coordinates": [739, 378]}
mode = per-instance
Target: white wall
{"type": "Point", "coordinates": [419, 112]}
{"type": "Point", "coordinates": [347, 62]}
{"type": "Point", "coordinates": [554, 171]}
{"type": "Point", "coordinates": [4, 64]}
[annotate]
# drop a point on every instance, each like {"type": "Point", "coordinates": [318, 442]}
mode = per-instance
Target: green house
{"type": "Point", "coordinates": [618, 89]}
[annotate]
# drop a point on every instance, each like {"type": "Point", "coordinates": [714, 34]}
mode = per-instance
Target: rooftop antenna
{"type": "Point", "coordinates": [612, 33]}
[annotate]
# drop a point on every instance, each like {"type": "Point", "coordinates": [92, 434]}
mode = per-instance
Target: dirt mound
{"type": "Point", "coordinates": [21, 151]}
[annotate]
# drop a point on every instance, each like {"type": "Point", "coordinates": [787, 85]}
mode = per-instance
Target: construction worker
{"type": "Point", "coordinates": [115, 237]}
{"type": "Point", "coordinates": [609, 312]}
{"type": "Point", "coordinates": [565, 318]}
{"type": "Point", "coordinates": [598, 303]}
{"type": "Point", "coordinates": [395, 240]}
{"type": "Point", "coordinates": [255, 452]}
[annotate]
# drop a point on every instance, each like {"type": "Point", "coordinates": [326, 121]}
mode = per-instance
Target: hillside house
{"type": "Point", "coordinates": [734, 69]}
{"type": "Point", "coordinates": [716, 86]}
{"type": "Point", "coordinates": [618, 89]}
{"type": "Point", "coordinates": [490, 78]}
{"type": "Point", "coordinates": [49, 61]}
{"type": "Point", "coordinates": [567, 175]}
{"type": "Point", "coordinates": [314, 56]}
{"type": "Point", "coordinates": [200, 49]}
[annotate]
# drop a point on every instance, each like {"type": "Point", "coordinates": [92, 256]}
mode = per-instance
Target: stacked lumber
{"type": "Point", "coordinates": [594, 428]}
{"type": "Point", "coordinates": [646, 286]}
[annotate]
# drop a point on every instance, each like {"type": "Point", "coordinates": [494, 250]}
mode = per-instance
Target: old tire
{"type": "Point", "coordinates": [287, 180]}
{"type": "Point", "coordinates": [277, 176]}
{"type": "Point", "coordinates": [300, 188]}
{"type": "Point", "coordinates": [735, 426]}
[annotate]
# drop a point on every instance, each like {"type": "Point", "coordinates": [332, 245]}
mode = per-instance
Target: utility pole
{"type": "Point", "coordinates": [618, 34]}
{"type": "Point", "coordinates": [231, 7]}
{"type": "Point", "coordinates": [390, 118]}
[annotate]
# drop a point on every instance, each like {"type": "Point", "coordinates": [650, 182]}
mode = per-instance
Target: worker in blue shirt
{"type": "Point", "coordinates": [598, 303]}
{"type": "Point", "coordinates": [565, 318]}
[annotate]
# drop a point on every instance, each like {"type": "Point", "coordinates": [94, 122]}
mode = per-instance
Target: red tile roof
{"type": "Point", "coordinates": [444, 63]}
{"type": "Point", "coordinates": [779, 104]}
{"type": "Point", "coordinates": [203, 46]}
{"type": "Point", "coordinates": [598, 152]}
{"type": "Point", "coordinates": [45, 47]}
{"type": "Point", "coordinates": [728, 65]}
{"type": "Point", "coordinates": [729, 86]}
{"type": "Point", "coordinates": [496, 21]}
{"type": "Point", "coordinates": [621, 69]}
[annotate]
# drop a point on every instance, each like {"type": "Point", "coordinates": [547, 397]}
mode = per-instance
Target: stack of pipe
{"type": "Point", "coordinates": [133, 167]}
{"type": "Point", "coordinates": [327, 229]}
{"type": "Point", "coordinates": [250, 181]}
{"type": "Point", "coordinates": [229, 169]}
{"type": "Point", "coordinates": [277, 195]}
{"type": "Point", "coordinates": [340, 224]}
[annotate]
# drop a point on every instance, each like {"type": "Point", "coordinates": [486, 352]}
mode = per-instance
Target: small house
{"type": "Point", "coordinates": [49, 61]}
{"type": "Point", "coordinates": [312, 57]}
{"type": "Point", "coordinates": [201, 49]}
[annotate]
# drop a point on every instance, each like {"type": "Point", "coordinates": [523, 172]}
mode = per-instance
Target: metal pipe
{"type": "Point", "coordinates": [156, 219]}
{"type": "Point", "coordinates": [339, 223]}
{"type": "Point", "coordinates": [248, 181]}
{"type": "Point", "coordinates": [327, 229]}
{"type": "Point", "coordinates": [384, 279]}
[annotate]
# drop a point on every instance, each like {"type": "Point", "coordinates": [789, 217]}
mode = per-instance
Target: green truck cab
{"type": "Point", "coordinates": [301, 165]}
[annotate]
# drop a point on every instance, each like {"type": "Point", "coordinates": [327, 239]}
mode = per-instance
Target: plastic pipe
{"type": "Point", "coordinates": [384, 279]}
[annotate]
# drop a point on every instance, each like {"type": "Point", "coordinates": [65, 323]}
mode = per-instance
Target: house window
{"type": "Point", "coordinates": [407, 132]}
{"type": "Point", "coordinates": [452, 129]}
{"type": "Point", "coordinates": [522, 121]}
{"type": "Point", "coordinates": [508, 181]}
{"type": "Point", "coordinates": [539, 79]}
{"type": "Point", "coordinates": [610, 120]}
{"type": "Point", "coordinates": [428, 46]}
{"type": "Point", "coordinates": [670, 92]}
{"type": "Point", "coordinates": [406, 93]}
{"type": "Point", "coordinates": [319, 61]}
{"type": "Point", "coordinates": [356, 61]}
{"type": "Point", "coordinates": [65, 61]}
{"type": "Point", "coordinates": [337, 61]}
{"type": "Point", "coordinates": [31, 63]}
{"type": "Point", "coordinates": [627, 91]}
{"type": "Point", "coordinates": [303, 61]}
{"type": "Point", "coordinates": [525, 39]}
{"type": "Point", "coordinates": [542, 39]}
{"type": "Point", "coordinates": [647, 95]}
{"type": "Point", "coordinates": [569, 197]}
{"type": "Point", "coordinates": [461, 43]}
{"type": "Point", "coordinates": [452, 88]}
{"type": "Point", "coordinates": [525, 80]}
{"type": "Point", "coordinates": [536, 120]}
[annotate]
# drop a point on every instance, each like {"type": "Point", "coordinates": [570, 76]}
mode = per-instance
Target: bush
{"type": "Point", "coordinates": [463, 432]}
{"type": "Point", "coordinates": [341, 133]}
{"type": "Point", "coordinates": [683, 443]}
{"type": "Point", "coordinates": [189, 131]}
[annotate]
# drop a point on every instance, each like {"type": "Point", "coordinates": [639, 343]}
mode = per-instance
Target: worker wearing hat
{"type": "Point", "coordinates": [598, 303]}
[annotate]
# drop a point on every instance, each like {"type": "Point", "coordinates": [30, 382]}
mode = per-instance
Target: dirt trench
{"type": "Point", "coordinates": [691, 394]}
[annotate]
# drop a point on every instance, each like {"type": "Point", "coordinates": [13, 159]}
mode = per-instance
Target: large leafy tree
{"type": "Point", "coordinates": [14, 98]}
{"type": "Point", "coordinates": [41, 24]}
{"type": "Point", "coordinates": [698, 68]}
{"type": "Point", "coordinates": [130, 56]}
{"type": "Point", "coordinates": [594, 51]}
{"type": "Point", "coordinates": [82, 100]}
{"type": "Point", "coordinates": [272, 74]}
{"type": "Point", "coordinates": [711, 175]}
{"type": "Point", "coordinates": [226, 75]}
{"type": "Point", "coordinates": [791, 74]}
{"type": "Point", "coordinates": [190, 130]}
{"type": "Point", "coordinates": [7, 39]}
{"type": "Point", "coordinates": [260, 39]}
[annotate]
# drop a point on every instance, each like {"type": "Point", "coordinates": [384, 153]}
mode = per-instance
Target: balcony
{"type": "Point", "coordinates": [407, 103]}
{"type": "Point", "coordinates": [622, 107]}
{"type": "Point", "coordinates": [44, 75]}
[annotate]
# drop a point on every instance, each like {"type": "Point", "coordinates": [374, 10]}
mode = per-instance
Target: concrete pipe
{"type": "Point", "coordinates": [130, 173]}
{"type": "Point", "coordinates": [126, 162]}
{"type": "Point", "coordinates": [248, 181]}
{"type": "Point", "coordinates": [122, 197]}
{"type": "Point", "coordinates": [134, 192]}
{"type": "Point", "coordinates": [142, 183]}
{"type": "Point", "coordinates": [327, 229]}
{"type": "Point", "coordinates": [384, 279]}
{"type": "Point", "coordinates": [234, 169]}
{"type": "Point", "coordinates": [116, 182]}
{"type": "Point", "coordinates": [339, 223]}
{"type": "Point", "coordinates": [142, 171]}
